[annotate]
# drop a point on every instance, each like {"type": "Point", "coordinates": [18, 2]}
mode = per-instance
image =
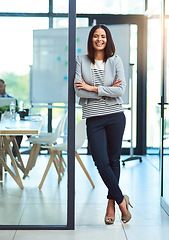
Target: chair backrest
{"type": "Point", "coordinates": [59, 129]}
{"type": "Point", "coordinates": [80, 134]}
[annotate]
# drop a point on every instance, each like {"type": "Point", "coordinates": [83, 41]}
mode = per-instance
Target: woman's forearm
{"type": "Point", "coordinates": [94, 89]}
{"type": "Point", "coordinates": [79, 85]}
{"type": "Point", "coordinates": [91, 88]}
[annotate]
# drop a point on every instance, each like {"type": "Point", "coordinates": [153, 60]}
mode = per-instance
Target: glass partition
{"type": "Point", "coordinates": [26, 6]}
{"type": "Point", "coordinates": [154, 53]}
{"type": "Point", "coordinates": [16, 47]}
{"type": "Point", "coordinates": [165, 168]}
{"type": "Point", "coordinates": [34, 66]}
{"type": "Point", "coordinates": [60, 6]}
{"type": "Point", "coordinates": [111, 6]}
{"type": "Point", "coordinates": [154, 5]}
{"type": "Point", "coordinates": [166, 8]}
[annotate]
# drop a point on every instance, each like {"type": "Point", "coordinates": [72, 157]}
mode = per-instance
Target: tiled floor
{"type": "Point", "coordinates": [141, 181]}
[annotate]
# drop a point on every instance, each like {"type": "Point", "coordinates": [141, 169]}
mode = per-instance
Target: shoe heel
{"type": "Point", "coordinates": [128, 201]}
{"type": "Point", "coordinates": [130, 205]}
{"type": "Point", "coordinates": [128, 216]}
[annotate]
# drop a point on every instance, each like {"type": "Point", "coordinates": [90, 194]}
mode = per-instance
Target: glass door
{"type": "Point", "coordinates": [154, 54]}
{"type": "Point", "coordinates": [39, 52]}
{"type": "Point", "coordinates": [165, 119]}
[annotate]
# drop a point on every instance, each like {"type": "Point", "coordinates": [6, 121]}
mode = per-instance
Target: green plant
{"type": "Point", "coordinates": [7, 108]}
{"type": "Point", "coordinates": [4, 108]}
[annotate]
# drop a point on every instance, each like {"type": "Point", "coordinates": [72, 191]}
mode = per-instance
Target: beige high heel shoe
{"type": "Point", "coordinates": [128, 216]}
{"type": "Point", "coordinates": [109, 220]}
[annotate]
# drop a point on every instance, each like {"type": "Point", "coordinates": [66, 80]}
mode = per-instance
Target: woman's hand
{"type": "Point", "coordinates": [83, 85]}
{"type": "Point", "coordinates": [116, 82]}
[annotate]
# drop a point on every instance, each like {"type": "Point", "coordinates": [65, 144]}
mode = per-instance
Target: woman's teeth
{"type": "Point", "coordinates": [99, 44]}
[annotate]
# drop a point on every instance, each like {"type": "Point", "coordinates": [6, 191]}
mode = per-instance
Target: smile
{"type": "Point", "coordinates": [99, 44]}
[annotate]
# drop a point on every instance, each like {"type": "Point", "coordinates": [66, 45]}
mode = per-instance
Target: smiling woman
{"type": "Point", "coordinates": [100, 83]}
{"type": "Point", "coordinates": [100, 43]}
{"type": "Point", "coordinates": [99, 39]}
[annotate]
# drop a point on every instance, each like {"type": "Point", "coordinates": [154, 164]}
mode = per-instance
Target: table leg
{"type": "Point", "coordinates": [19, 162]}
{"type": "Point", "coordinates": [1, 172]}
{"type": "Point", "coordinates": [7, 148]}
{"type": "Point", "coordinates": [32, 158]}
{"type": "Point", "coordinates": [2, 155]}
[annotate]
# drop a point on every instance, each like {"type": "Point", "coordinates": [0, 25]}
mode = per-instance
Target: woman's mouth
{"type": "Point", "coordinates": [98, 44]}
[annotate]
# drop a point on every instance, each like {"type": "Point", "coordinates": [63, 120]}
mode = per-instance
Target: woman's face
{"type": "Point", "coordinates": [99, 39]}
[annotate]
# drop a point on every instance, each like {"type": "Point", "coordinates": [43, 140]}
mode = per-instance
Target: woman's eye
{"type": "Point", "coordinates": [96, 36]}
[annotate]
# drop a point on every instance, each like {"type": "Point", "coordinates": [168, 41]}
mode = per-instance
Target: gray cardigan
{"type": "Point", "coordinates": [112, 95]}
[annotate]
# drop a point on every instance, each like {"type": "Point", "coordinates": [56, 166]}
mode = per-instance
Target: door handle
{"type": "Point", "coordinates": [162, 114]}
{"type": "Point", "coordinates": [164, 103]}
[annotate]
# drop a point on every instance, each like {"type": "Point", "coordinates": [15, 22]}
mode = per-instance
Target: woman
{"type": "Point", "coordinates": [100, 83]}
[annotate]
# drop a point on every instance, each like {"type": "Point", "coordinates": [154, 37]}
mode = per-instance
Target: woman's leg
{"type": "Point", "coordinates": [98, 143]}
{"type": "Point", "coordinates": [96, 131]}
{"type": "Point", "coordinates": [114, 133]}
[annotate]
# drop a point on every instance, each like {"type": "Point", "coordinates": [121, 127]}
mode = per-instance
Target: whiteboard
{"type": "Point", "coordinates": [49, 73]}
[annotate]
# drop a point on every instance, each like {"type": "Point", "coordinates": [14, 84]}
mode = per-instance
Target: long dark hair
{"type": "Point", "coordinates": [110, 47]}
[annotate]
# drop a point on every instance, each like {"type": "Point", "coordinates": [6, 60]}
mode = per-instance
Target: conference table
{"type": "Point", "coordinates": [30, 125]}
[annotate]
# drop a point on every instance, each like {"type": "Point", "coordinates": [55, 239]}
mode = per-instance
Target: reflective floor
{"type": "Point", "coordinates": [141, 181]}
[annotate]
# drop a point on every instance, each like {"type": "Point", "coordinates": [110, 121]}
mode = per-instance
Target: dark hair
{"type": "Point", "coordinates": [110, 47]}
{"type": "Point", "coordinates": [1, 80]}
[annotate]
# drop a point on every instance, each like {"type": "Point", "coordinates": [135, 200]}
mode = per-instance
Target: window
{"type": "Point", "coordinates": [32, 6]}
{"type": "Point", "coordinates": [111, 6]}
{"type": "Point", "coordinates": [16, 47]}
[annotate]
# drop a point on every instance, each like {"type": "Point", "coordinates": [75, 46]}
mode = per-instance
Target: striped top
{"type": "Point", "coordinates": [99, 107]}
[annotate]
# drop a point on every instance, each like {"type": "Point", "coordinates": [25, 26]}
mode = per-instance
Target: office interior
{"type": "Point", "coordinates": [46, 33]}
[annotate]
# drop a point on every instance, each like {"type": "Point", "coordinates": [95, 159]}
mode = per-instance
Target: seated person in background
{"type": "Point", "coordinates": [2, 90]}
{"type": "Point", "coordinates": [4, 94]}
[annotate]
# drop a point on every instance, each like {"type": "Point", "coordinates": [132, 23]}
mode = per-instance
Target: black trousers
{"type": "Point", "coordinates": [105, 135]}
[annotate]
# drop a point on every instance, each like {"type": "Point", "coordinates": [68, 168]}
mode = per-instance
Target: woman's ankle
{"type": "Point", "coordinates": [110, 208]}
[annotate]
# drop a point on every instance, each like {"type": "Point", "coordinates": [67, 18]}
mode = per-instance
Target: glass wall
{"type": "Point", "coordinates": [17, 58]}
{"type": "Point", "coordinates": [157, 144]}
{"type": "Point", "coordinates": [131, 133]}
{"type": "Point", "coordinates": [154, 53]}
{"type": "Point", "coordinates": [166, 7]}
{"type": "Point", "coordinates": [165, 149]}
{"type": "Point", "coordinates": [104, 6]}
{"type": "Point", "coordinates": [26, 6]}
{"type": "Point", "coordinates": [111, 6]}
{"type": "Point", "coordinates": [22, 54]}
{"type": "Point", "coordinates": [60, 6]}
{"type": "Point", "coordinates": [154, 5]}
{"type": "Point", "coordinates": [16, 47]}
{"type": "Point", "coordinates": [153, 83]}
